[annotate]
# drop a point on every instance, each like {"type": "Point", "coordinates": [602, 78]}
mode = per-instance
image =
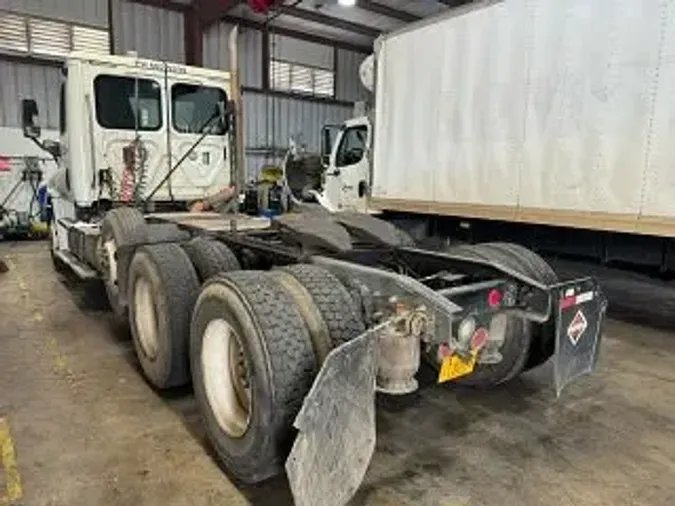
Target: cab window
{"type": "Point", "coordinates": [352, 146]}
{"type": "Point", "coordinates": [194, 109]}
{"type": "Point", "coordinates": [128, 103]}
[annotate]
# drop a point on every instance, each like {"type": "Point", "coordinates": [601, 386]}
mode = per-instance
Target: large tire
{"type": "Point", "coordinates": [121, 226]}
{"type": "Point", "coordinates": [250, 427]}
{"type": "Point", "coordinates": [163, 287]}
{"type": "Point", "coordinates": [338, 310]}
{"type": "Point", "coordinates": [532, 265]}
{"type": "Point", "coordinates": [210, 257]}
{"type": "Point", "coordinates": [517, 332]}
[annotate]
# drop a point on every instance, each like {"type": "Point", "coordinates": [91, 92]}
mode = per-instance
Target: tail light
{"type": "Point", "coordinates": [494, 298]}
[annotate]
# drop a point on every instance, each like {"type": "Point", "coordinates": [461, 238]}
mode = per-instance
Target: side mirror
{"type": "Point", "coordinates": [29, 111]}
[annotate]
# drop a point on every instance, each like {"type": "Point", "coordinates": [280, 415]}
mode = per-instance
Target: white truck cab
{"type": "Point", "coordinates": [348, 169]}
{"type": "Point", "coordinates": [126, 122]}
{"type": "Point", "coordinates": [146, 133]}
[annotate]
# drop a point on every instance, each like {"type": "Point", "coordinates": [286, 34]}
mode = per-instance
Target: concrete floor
{"type": "Point", "coordinates": [88, 430]}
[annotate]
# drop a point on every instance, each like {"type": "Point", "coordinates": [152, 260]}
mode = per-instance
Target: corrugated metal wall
{"type": "Point", "coordinates": [270, 121]}
{"type": "Point", "coordinates": [216, 48]}
{"type": "Point", "coordinates": [23, 80]}
{"type": "Point", "coordinates": [157, 33]}
{"type": "Point", "coordinates": [89, 12]}
{"type": "Point", "coordinates": [347, 82]}
{"type": "Point", "coordinates": [150, 31]}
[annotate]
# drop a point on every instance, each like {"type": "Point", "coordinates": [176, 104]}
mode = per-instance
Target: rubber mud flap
{"type": "Point", "coordinates": [580, 308]}
{"type": "Point", "coordinates": [336, 426]}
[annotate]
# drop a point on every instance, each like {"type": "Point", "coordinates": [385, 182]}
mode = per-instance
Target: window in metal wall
{"type": "Point", "coordinates": [303, 79]}
{"type": "Point", "coordinates": [45, 37]}
{"type": "Point", "coordinates": [90, 39]}
{"type": "Point", "coordinates": [13, 32]}
{"type": "Point", "coordinates": [49, 37]}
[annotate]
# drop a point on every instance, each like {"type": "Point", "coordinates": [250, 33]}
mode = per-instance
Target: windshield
{"type": "Point", "coordinates": [127, 103]}
{"type": "Point", "coordinates": [192, 107]}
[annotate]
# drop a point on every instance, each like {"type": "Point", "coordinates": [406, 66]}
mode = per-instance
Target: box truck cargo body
{"type": "Point", "coordinates": [545, 112]}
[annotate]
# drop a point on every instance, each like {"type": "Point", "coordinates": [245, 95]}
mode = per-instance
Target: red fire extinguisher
{"type": "Point", "coordinates": [261, 6]}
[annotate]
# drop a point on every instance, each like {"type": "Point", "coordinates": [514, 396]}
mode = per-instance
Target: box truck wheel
{"type": "Point", "coordinates": [163, 287]}
{"type": "Point", "coordinates": [517, 332]}
{"type": "Point", "coordinates": [120, 226]}
{"type": "Point", "coordinates": [252, 365]}
{"type": "Point", "coordinates": [210, 257]}
{"type": "Point", "coordinates": [532, 265]}
{"type": "Point", "coordinates": [328, 309]}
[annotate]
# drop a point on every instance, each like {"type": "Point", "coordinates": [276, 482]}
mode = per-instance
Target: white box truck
{"type": "Point", "coordinates": [534, 119]}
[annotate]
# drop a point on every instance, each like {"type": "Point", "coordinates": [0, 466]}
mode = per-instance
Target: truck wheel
{"type": "Point", "coordinates": [532, 265]}
{"type": "Point", "coordinates": [252, 365]}
{"type": "Point", "coordinates": [163, 286]}
{"type": "Point", "coordinates": [120, 226]}
{"type": "Point", "coordinates": [517, 332]}
{"type": "Point", "coordinates": [210, 257]}
{"type": "Point", "coordinates": [338, 311]}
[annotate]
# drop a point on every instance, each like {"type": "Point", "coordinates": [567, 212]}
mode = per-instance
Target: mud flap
{"type": "Point", "coordinates": [336, 425]}
{"type": "Point", "coordinates": [580, 308]}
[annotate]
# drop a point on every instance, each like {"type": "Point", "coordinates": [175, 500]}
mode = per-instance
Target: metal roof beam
{"type": "Point", "coordinates": [342, 24]}
{"type": "Point", "coordinates": [384, 10]}
{"type": "Point", "coordinates": [210, 11]}
{"type": "Point", "coordinates": [164, 4]}
{"type": "Point", "coordinates": [255, 25]}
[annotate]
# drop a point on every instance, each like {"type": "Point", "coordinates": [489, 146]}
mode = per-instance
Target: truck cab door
{"type": "Point", "coordinates": [347, 176]}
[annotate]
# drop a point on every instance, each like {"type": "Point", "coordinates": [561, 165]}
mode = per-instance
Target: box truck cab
{"type": "Point", "coordinates": [348, 169]}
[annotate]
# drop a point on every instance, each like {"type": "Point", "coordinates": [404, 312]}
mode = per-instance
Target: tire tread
{"type": "Point", "coordinates": [333, 300]}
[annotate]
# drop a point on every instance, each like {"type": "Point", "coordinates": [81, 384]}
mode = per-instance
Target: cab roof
{"type": "Point", "coordinates": [134, 61]}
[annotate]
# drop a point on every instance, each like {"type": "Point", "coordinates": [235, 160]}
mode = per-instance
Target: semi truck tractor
{"type": "Point", "coordinates": [286, 326]}
{"type": "Point", "coordinates": [548, 123]}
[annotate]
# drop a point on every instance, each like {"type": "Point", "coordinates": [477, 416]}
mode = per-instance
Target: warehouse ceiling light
{"type": "Point", "coordinates": [347, 3]}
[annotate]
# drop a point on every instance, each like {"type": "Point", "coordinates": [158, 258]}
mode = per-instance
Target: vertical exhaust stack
{"type": "Point", "coordinates": [238, 168]}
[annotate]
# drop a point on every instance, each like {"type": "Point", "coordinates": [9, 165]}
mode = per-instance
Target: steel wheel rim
{"type": "Point", "coordinates": [145, 318]}
{"type": "Point", "coordinates": [225, 378]}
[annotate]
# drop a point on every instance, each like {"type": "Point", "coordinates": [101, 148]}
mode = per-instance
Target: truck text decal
{"type": "Point", "coordinates": [150, 65]}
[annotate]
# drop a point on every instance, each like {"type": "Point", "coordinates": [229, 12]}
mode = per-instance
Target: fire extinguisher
{"type": "Point", "coordinates": [260, 6]}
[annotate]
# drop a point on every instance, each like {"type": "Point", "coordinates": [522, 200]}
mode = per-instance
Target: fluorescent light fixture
{"type": "Point", "coordinates": [347, 3]}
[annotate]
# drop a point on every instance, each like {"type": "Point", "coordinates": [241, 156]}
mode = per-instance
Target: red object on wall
{"type": "Point", "coordinates": [4, 164]}
{"type": "Point", "coordinates": [260, 6]}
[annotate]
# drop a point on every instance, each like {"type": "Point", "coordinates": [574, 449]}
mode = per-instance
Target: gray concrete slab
{"type": "Point", "coordinates": [88, 430]}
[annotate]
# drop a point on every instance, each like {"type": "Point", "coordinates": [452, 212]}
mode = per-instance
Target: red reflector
{"type": "Point", "coordinates": [567, 302]}
{"type": "Point", "coordinates": [494, 298]}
